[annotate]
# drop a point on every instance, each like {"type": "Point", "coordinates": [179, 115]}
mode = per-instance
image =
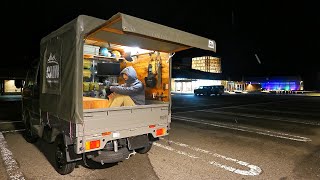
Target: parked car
{"type": "Point", "coordinates": [208, 90]}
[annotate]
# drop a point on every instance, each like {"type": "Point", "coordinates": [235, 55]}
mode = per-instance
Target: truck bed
{"type": "Point", "coordinates": [127, 121]}
{"type": "Point", "coordinates": [94, 103]}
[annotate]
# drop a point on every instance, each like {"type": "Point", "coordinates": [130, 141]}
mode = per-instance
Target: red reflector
{"type": "Point", "coordinates": [92, 144]}
{"type": "Point", "coordinates": [160, 131]}
{"type": "Point", "coordinates": [152, 126]}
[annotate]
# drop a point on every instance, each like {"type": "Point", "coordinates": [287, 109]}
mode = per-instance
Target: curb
{"type": "Point", "coordinates": [10, 163]}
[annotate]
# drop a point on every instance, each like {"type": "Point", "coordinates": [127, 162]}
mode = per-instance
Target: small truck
{"type": "Point", "coordinates": [63, 99]}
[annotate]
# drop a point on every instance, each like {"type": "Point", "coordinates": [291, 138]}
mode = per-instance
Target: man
{"type": "Point", "coordinates": [129, 94]}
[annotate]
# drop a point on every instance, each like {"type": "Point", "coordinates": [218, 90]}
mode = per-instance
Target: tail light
{"type": "Point", "coordinates": [160, 131]}
{"type": "Point", "coordinates": [92, 144]}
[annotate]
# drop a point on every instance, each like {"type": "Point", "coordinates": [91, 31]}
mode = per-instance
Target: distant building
{"type": "Point", "coordinates": [8, 78]}
{"type": "Point", "coordinates": [207, 64]}
{"type": "Point", "coordinates": [186, 80]}
{"type": "Point", "coordinates": [205, 70]}
{"type": "Point", "coordinates": [9, 87]}
{"type": "Point", "coordinates": [275, 83]}
{"type": "Point", "coordinates": [202, 71]}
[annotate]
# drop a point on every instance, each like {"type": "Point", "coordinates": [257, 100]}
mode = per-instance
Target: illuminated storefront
{"type": "Point", "coordinates": [205, 71]}
{"type": "Point", "coordinates": [184, 85]}
{"type": "Point", "coordinates": [282, 85]}
{"type": "Point", "coordinates": [285, 83]}
{"type": "Point", "coordinates": [9, 87]}
{"type": "Point", "coordinates": [234, 85]}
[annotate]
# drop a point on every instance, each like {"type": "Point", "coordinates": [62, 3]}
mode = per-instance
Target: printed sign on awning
{"type": "Point", "coordinates": [52, 68]}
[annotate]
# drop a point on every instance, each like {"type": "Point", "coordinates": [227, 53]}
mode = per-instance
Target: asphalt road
{"type": "Point", "coordinates": [239, 136]}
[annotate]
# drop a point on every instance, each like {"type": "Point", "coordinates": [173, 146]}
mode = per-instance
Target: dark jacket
{"type": "Point", "coordinates": [133, 87]}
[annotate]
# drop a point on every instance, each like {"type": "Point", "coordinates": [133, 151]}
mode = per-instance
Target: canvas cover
{"type": "Point", "coordinates": [135, 32]}
{"type": "Point", "coordinates": [61, 55]}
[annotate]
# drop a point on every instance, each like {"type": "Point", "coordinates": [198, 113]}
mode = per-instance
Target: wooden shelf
{"type": "Point", "coordinates": [100, 58]}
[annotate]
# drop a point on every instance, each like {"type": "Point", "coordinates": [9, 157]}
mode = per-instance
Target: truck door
{"type": "Point", "coordinates": [36, 97]}
{"type": "Point", "coordinates": [30, 95]}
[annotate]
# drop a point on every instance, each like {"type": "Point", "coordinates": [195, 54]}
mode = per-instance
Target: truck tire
{"type": "Point", "coordinates": [144, 150]}
{"type": "Point", "coordinates": [61, 164]}
{"type": "Point", "coordinates": [29, 136]}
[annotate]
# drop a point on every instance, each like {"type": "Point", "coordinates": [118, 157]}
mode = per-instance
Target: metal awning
{"type": "Point", "coordinates": [127, 30]}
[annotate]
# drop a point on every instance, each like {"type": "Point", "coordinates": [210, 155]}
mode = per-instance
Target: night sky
{"type": "Point", "coordinates": [283, 34]}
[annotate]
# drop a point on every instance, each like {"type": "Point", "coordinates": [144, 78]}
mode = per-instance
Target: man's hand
{"type": "Point", "coordinates": [110, 96]}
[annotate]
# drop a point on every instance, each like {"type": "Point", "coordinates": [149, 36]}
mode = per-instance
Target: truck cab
{"type": "Point", "coordinates": [30, 100]}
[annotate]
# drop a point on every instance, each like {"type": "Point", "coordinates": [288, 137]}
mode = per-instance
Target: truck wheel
{"type": "Point", "coordinates": [144, 150]}
{"type": "Point", "coordinates": [62, 166]}
{"type": "Point", "coordinates": [29, 136]}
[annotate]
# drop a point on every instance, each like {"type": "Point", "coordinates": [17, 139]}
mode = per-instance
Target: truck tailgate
{"type": "Point", "coordinates": [124, 119]}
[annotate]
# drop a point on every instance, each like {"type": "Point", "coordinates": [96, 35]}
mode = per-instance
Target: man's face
{"type": "Point", "coordinates": [125, 76]}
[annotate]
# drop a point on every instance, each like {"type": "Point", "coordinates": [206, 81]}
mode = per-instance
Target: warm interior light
{"type": "Point", "coordinates": [132, 50]}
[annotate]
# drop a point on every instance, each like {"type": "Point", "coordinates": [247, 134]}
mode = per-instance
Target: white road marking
{"type": "Point", "coordinates": [230, 106]}
{"type": "Point", "coordinates": [246, 129]}
{"type": "Point", "coordinates": [176, 151]}
{"type": "Point", "coordinates": [10, 163]}
{"type": "Point", "coordinates": [279, 111]}
{"type": "Point", "coordinates": [253, 169]}
{"type": "Point", "coordinates": [263, 117]}
{"type": "Point", "coordinates": [8, 122]}
{"type": "Point", "coordinates": [193, 106]}
{"type": "Point", "coordinates": [11, 131]}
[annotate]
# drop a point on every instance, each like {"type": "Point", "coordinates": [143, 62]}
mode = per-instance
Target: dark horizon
{"type": "Point", "coordinates": [283, 35]}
